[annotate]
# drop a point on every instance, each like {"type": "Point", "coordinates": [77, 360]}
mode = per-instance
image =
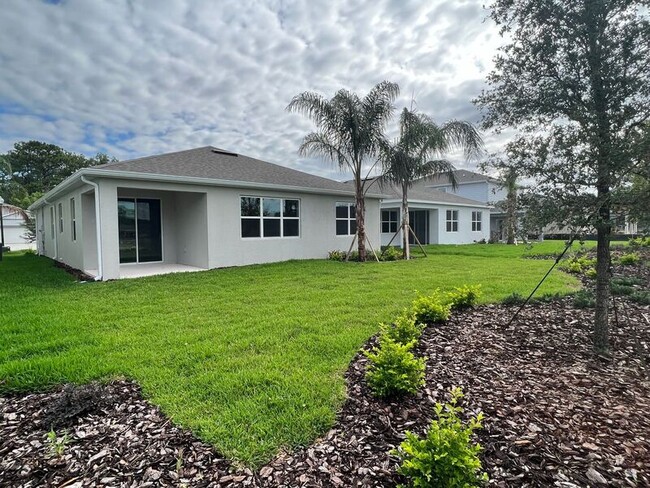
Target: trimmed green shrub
{"type": "Point", "coordinates": [630, 258]}
{"type": "Point", "coordinates": [463, 297]}
{"type": "Point", "coordinates": [404, 330]}
{"type": "Point", "coordinates": [584, 299]}
{"type": "Point", "coordinates": [392, 253]}
{"type": "Point", "coordinates": [446, 457]}
{"type": "Point", "coordinates": [620, 290]}
{"type": "Point", "coordinates": [572, 267]}
{"type": "Point", "coordinates": [336, 255]}
{"type": "Point", "coordinates": [431, 309]}
{"type": "Point", "coordinates": [641, 297]}
{"type": "Point", "coordinates": [627, 281]}
{"type": "Point", "coordinates": [640, 242]}
{"type": "Point", "coordinates": [547, 297]}
{"type": "Point", "coordinates": [514, 299]}
{"type": "Point", "coordinates": [393, 369]}
{"type": "Point", "coordinates": [591, 273]}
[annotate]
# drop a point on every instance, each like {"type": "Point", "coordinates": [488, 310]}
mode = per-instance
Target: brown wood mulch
{"type": "Point", "coordinates": [555, 414]}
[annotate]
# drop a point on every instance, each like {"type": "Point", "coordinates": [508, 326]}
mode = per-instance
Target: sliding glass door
{"type": "Point", "coordinates": [140, 230]}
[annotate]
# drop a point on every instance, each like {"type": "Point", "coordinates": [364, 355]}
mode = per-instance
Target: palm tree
{"type": "Point", "coordinates": [349, 133]}
{"type": "Point", "coordinates": [419, 153]}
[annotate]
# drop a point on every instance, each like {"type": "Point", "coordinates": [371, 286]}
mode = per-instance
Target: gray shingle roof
{"type": "Point", "coordinates": [462, 176]}
{"type": "Point", "coordinates": [218, 164]}
{"type": "Point", "coordinates": [431, 195]}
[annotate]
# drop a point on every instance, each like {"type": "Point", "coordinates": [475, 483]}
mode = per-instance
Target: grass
{"type": "Point", "coordinates": [251, 358]}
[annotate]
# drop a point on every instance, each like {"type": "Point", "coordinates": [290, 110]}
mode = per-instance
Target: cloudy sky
{"type": "Point", "coordinates": [140, 77]}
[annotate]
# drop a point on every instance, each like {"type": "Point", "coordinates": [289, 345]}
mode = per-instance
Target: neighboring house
{"type": "Point", "coordinates": [14, 230]}
{"type": "Point", "coordinates": [478, 187]}
{"type": "Point", "coordinates": [436, 217]}
{"type": "Point", "coordinates": [196, 209]}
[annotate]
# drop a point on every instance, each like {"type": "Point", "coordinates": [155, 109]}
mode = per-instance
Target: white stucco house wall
{"type": "Point", "coordinates": [197, 209]}
{"type": "Point", "coordinates": [14, 230]}
{"type": "Point", "coordinates": [436, 217]}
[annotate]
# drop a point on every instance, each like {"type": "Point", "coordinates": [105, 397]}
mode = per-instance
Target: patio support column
{"type": "Point", "coordinates": [109, 232]}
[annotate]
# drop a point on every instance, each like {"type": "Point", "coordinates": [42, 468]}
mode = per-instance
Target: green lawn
{"type": "Point", "coordinates": [251, 358]}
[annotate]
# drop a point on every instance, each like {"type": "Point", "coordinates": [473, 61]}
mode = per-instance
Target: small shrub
{"type": "Point", "coordinates": [641, 297]}
{"type": "Point", "coordinates": [513, 299]}
{"type": "Point", "coordinates": [640, 242]}
{"type": "Point", "coordinates": [404, 330]}
{"type": "Point", "coordinates": [548, 297]}
{"type": "Point", "coordinates": [584, 299]}
{"type": "Point", "coordinates": [591, 273]}
{"type": "Point", "coordinates": [393, 369]}
{"type": "Point", "coordinates": [392, 253]}
{"type": "Point", "coordinates": [56, 444]}
{"type": "Point", "coordinates": [430, 309]}
{"type": "Point", "coordinates": [630, 258]}
{"type": "Point", "coordinates": [620, 290]}
{"type": "Point", "coordinates": [627, 281]}
{"type": "Point", "coordinates": [446, 457]}
{"type": "Point", "coordinates": [572, 267]}
{"type": "Point", "coordinates": [336, 255]}
{"type": "Point", "coordinates": [464, 297]}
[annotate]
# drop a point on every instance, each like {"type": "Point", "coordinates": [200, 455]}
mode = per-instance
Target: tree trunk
{"type": "Point", "coordinates": [406, 249]}
{"type": "Point", "coordinates": [601, 320]}
{"type": "Point", "coordinates": [360, 209]}
{"type": "Point", "coordinates": [511, 213]}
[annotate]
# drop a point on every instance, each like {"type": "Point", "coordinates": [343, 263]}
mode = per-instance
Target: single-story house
{"type": "Point", "coordinates": [14, 229]}
{"type": "Point", "coordinates": [196, 209]}
{"type": "Point", "coordinates": [436, 217]}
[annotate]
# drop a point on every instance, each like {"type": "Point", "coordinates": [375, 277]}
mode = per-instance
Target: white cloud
{"type": "Point", "coordinates": [133, 78]}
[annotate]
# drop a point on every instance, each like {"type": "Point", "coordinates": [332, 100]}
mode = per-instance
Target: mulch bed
{"type": "Point", "coordinates": [555, 415]}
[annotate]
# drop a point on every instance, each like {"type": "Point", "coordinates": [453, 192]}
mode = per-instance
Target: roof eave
{"type": "Point", "coordinates": [435, 202]}
{"type": "Point", "coordinates": [191, 180]}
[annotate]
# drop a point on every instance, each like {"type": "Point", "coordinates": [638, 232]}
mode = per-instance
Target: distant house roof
{"type": "Point", "coordinates": [211, 166]}
{"type": "Point", "coordinates": [428, 195]}
{"type": "Point", "coordinates": [463, 176]}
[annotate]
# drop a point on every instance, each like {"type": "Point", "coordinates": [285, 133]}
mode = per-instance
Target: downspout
{"type": "Point", "coordinates": [98, 228]}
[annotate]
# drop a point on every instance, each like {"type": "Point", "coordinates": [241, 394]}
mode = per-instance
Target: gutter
{"type": "Point", "coordinates": [98, 228]}
{"type": "Point", "coordinates": [433, 202]}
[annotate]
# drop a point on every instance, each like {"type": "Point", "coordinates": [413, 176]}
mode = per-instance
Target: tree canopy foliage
{"type": "Point", "coordinates": [32, 168]}
{"type": "Point", "coordinates": [349, 132]}
{"type": "Point", "coordinates": [574, 79]}
{"type": "Point", "coordinates": [419, 152]}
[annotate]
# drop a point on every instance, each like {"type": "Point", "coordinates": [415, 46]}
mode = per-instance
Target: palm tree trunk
{"type": "Point", "coordinates": [406, 249]}
{"type": "Point", "coordinates": [360, 208]}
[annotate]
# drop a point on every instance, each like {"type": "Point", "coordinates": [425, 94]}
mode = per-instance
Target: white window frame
{"type": "Point", "coordinates": [73, 220]}
{"type": "Point", "coordinates": [477, 221]}
{"type": "Point", "coordinates": [451, 220]}
{"type": "Point", "coordinates": [60, 209]}
{"type": "Point", "coordinates": [261, 217]}
{"type": "Point", "coordinates": [349, 219]}
{"type": "Point", "coordinates": [393, 224]}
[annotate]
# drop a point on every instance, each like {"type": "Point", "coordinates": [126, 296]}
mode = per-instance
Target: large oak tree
{"type": "Point", "coordinates": [574, 79]}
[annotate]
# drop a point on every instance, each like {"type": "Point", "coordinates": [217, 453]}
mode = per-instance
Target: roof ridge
{"type": "Point", "coordinates": [143, 158]}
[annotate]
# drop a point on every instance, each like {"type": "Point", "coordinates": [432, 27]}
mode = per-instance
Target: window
{"type": "Point", "coordinates": [346, 221]}
{"type": "Point", "coordinates": [73, 220]}
{"type": "Point", "coordinates": [477, 221]}
{"type": "Point", "coordinates": [452, 220]}
{"type": "Point", "coordinates": [60, 218]}
{"type": "Point", "coordinates": [52, 222]}
{"type": "Point", "coordinates": [269, 217]}
{"type": "Point", "coordinates": [389, 221]}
